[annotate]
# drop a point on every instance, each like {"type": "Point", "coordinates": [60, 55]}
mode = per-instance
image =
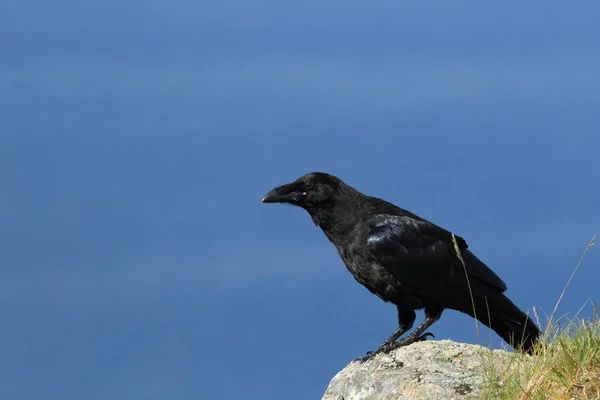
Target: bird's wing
{"type": "Point", "coordinates": [419, 253]}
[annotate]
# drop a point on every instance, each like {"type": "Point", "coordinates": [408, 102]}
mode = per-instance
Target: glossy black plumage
{"type": "Point", "coordinates": [406, 260]}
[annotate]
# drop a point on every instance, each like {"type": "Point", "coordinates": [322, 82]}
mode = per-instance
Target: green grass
{"type": "Point", "coordinates": [565, 364]}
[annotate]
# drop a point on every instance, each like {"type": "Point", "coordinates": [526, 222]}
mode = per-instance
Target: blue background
{"type": "Point", "coordinates": [138, 137]}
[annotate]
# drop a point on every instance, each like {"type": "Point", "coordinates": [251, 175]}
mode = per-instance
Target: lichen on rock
{"type": "Point", "coordinates": [425, 370]}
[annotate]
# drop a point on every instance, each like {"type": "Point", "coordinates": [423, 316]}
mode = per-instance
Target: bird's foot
{"type": "Point", "coordinates": [371, 354]}
{"type": "Point", "coordinates": [408, 340]}
{"type": "Point", "coordinates": [383, 346]}
{"type": "Point", "coordinates": [361, 360]}
{"type": "Point", "coordinates": [381, 349]}
{"type": "Point", "coordinates": [388, 346]}
{"type": "Point", "coordinates": [424, 336]}
{"type": "Point", "coordinates": [404, 342]}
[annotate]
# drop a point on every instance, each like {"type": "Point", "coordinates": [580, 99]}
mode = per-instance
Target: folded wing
{"type": "Point", "coordinates": [422, 255]}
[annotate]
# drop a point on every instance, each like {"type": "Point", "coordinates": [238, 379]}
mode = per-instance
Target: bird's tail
{"type": "Point", "coordinates": [500, 314]}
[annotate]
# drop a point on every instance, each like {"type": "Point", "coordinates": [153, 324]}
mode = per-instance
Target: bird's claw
{"type": "Point", "coordinates": [388, 346]}
{"type": "Point", "coordinates": [424, 336]}
{"type": "Point", "coordinates": [381, 348]}
{"type": "Point", "coordinates": [369, 355]}
{"type": "Point", "coordinates": [411, 339]}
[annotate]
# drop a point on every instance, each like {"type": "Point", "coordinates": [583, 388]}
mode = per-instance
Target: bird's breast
{"type": "Point", "coordinates": [365, 269]}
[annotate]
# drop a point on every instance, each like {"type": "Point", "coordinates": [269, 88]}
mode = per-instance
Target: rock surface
{"type": "Point", "coordinates": [424, 370]}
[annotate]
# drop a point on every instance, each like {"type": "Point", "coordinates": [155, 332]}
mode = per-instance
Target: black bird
{"type": "Point", "coordinates": [407, 261]}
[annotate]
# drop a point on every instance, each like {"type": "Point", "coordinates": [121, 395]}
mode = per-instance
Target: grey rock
{"type": "Point", "coordinates": [424, 370]}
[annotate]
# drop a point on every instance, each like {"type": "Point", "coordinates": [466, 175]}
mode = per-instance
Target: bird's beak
{"type": "Point", "coordinates": [281, 194]}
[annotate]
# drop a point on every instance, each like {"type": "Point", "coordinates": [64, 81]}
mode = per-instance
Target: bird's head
{"type": "Point", "coordinates": [309, 191]}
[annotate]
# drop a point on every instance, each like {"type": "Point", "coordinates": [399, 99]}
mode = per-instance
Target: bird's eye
{"type": "Point", "coordinates": [305, 187]}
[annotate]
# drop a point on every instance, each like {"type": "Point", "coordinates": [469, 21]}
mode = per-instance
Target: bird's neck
{"type": "Point", "coordinates": [337, 220]}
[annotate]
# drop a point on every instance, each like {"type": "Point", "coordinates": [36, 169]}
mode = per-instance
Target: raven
{"type": "Point", "coordinates": [407, 261]}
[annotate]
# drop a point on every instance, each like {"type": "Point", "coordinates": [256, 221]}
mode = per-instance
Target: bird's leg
{"type": "Point", "coordinates": [399, 332]}
{"type": "Point", "coordinates": [406, 319]}
{"type": "Point", "coordinates": [388, 342]}
{"type": "Point", "coordinates": [431, 316]}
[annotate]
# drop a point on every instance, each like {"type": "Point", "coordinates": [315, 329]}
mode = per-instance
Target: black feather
{"type": "Point", "coordinates": [411, 262]}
